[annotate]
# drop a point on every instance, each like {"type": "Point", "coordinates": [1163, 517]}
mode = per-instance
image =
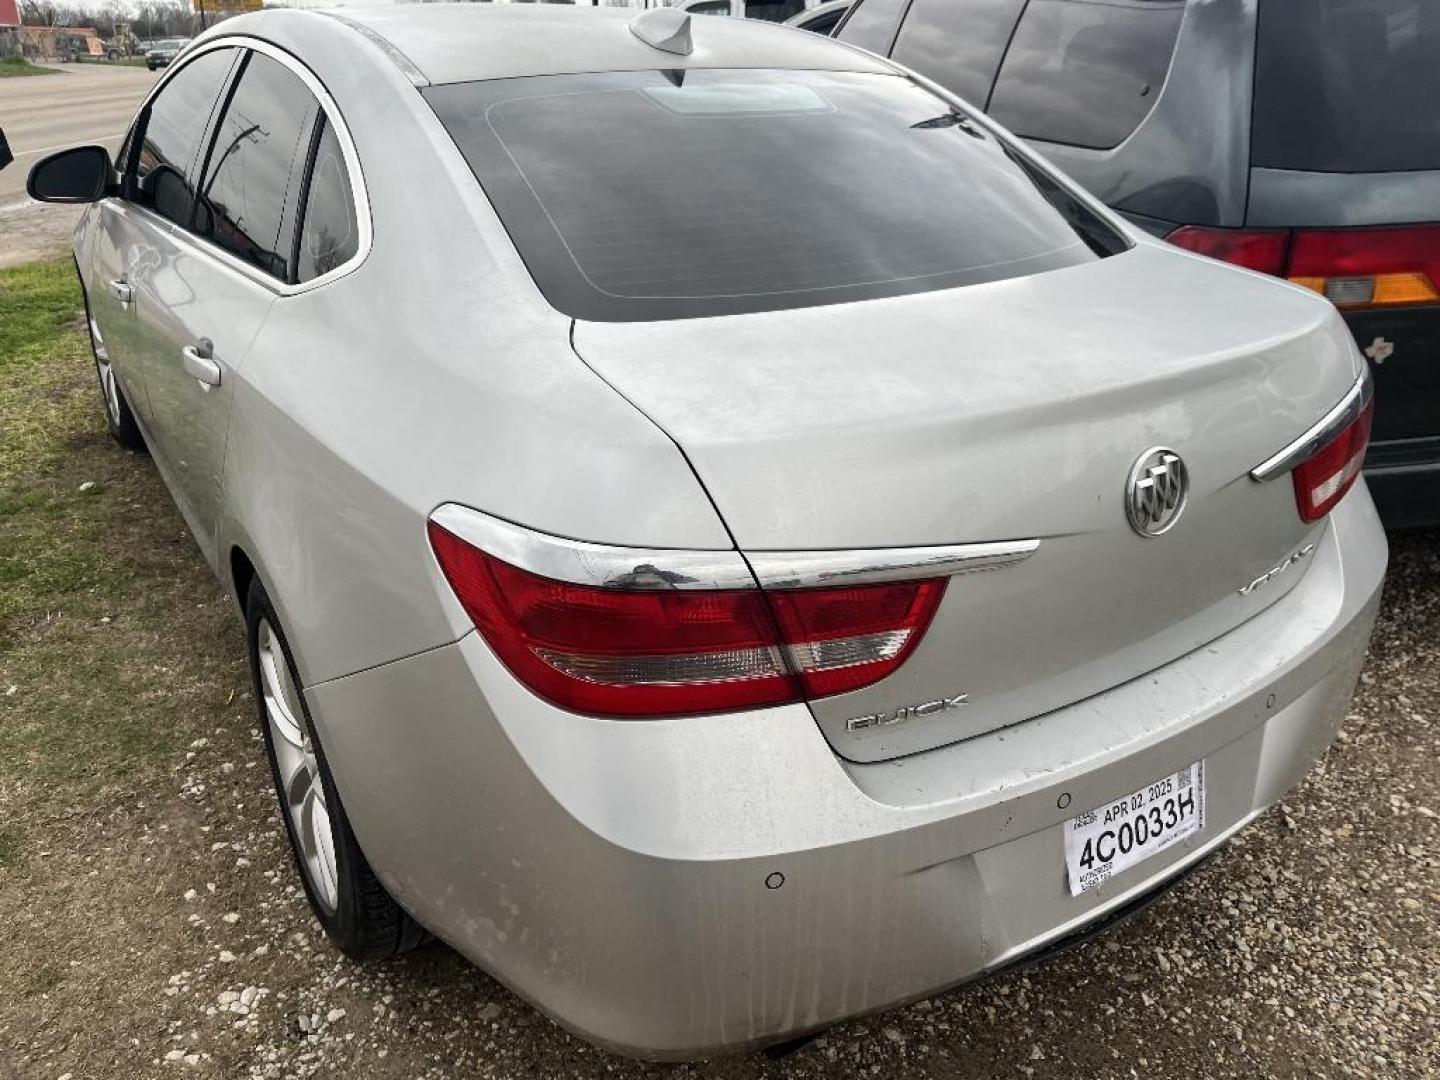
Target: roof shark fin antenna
{"type": "Point", "coordinates": [667, 29]}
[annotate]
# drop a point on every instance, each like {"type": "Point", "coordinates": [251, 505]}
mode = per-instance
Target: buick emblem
{"type": "Point", "coordinates": [1156, 492]}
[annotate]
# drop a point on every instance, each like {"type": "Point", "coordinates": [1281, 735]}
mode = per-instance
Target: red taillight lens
{"type": "Point", "coordinates": [1322, 480]}
{"type": "Point", "coordinates": [631, 653]}
{"type": "Point", "coordinates": [1352, 268]}
{"type": "Point", "coordinates": [1255, 249]}
{"type": "Point", "coordinates": [841, 639]}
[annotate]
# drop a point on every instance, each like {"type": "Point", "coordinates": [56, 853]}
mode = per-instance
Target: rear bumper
{"type": "Point", "coordinates": [1404, 478]}
{"type": "Point", "coordinates": [623, 875]}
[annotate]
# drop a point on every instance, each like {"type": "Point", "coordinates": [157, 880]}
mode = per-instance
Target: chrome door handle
{"type": "Point", "coordinates": [122, 290]}
{"type": "Point", "coordinates": [200, 362]}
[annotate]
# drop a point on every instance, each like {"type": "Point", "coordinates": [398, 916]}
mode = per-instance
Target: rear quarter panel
{"type": "Point", "coordinates": [434, 372]}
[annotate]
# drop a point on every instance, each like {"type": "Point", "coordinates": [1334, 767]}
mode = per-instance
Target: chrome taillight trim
{"type": "Point", "coordinates": [610, 567]}
{"type": "Point", "coordinates": [870, 566]}
{"type": "Point", "coordinates": [599, 565]}
{"type": "Point", "coordinates": [1322, 432]}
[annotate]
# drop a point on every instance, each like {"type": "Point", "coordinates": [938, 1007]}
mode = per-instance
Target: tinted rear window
{"type": "Point", "coordinates": [1085, 73]}
{"type": "Point", "coordinates": [1348, 85]}
{"type": "Point", "coordinates": [647, 195]}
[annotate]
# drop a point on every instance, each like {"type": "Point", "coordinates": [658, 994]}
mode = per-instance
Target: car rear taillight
{"type": "Point", "coordinates": [1353, 268]}
{"type": "Point", "coordinates": [1368, 267]}
{"type": "Point", "coordinates": [1322, 480]}
{"type": "Point", "coordinates": [1255, 249]}
{"type": "Point", "coordinates": [627, 652]}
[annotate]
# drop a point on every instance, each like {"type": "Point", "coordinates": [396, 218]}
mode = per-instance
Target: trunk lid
{"type": "Point", "coordinates": [1009, 411]}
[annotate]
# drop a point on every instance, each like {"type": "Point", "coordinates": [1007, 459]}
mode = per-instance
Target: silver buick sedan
{"type": "Point", "coordinates": [728, 538]}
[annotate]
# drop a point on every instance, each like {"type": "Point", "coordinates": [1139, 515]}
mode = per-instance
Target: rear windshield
{"type": "Point", "coordinates": [1348, 85]}
{"type": "Point", "coordinates": [660, 195]}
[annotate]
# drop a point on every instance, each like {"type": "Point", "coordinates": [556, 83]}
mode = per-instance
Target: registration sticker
{"type": "Point", "coordinates": [1100, 843]}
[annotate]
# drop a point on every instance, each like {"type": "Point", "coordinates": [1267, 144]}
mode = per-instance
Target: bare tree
{"type": "Point", "coordinates": [38, 12]}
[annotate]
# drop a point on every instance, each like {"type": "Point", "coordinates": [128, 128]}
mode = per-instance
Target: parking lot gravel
{"type": "Point", "coordinates": [154, 926]}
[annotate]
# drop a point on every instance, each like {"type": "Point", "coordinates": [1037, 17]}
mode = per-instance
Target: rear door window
{"type": "Point", "coordinates": [655, 195]}
{"type": "Point", "coordinates": [250, 192]}
{"type": "Point", "coordinates": [958, 43]}
{"type": "Point", "coordinates": [1348, 85]}
{"type": "Point", "coordinates": [1085, 72]}
{"type": "Point", "coordinates": [160, 174]}
{"type": "Point", "coordinates": [872, 24]}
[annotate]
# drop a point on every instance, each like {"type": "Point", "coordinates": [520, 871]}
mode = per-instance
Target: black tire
{"type": "Point", "coordinates": [119, 420]}
{"type": "Point", "coordinates": [366, 924]}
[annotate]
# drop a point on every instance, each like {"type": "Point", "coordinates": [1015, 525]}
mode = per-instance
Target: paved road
{"type": "Point", "coordinates": [43, 113]}
{"type": "Point", "coordinates": [88, 103]}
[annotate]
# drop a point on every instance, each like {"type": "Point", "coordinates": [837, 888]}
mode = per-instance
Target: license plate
{"type": "Point", "coordinates": [1100, 843]}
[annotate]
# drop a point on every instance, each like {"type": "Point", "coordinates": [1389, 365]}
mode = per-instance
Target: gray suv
{"type": "Point", "coordinates": [1299, 138]}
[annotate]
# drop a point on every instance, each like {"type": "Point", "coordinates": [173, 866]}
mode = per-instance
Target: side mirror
{"type": "Point", "coordinates": [5, 156]}
{"type": "Point", "coordinates": [82, 174]}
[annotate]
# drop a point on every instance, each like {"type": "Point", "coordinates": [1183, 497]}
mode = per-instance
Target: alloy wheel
{"type": "Point", "coordinates": [302, 792]}
{"type": "Point", "coordinates": [108, 385]}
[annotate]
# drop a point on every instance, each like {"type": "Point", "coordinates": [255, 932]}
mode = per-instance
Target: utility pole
{"type": "Point", "coordinates": [201, 5]}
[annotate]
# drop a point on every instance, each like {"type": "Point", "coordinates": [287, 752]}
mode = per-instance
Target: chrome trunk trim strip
{"type": "Point", "coordinates": [1325, 429]}
{"type": "Point", "coordinates": [610, 567]}
{"type": "Point", "coordinates": [808, 569]}
{"type": "Point", "coordinates": [599, 565]}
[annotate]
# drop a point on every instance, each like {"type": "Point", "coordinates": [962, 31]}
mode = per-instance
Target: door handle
{"type": "Point", "coordinates": [122, 290]}
{"type": "Point", "coordinates": [200, 363]}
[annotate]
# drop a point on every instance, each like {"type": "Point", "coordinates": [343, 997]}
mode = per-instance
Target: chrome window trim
{"type": "Point", "coordinates": [1324, 430]}
{"type": "Point", "coordinates": [359, 192]}
{"type": "Point", "coordinates": [599, 565]}
{"type": "Point", "coordinates": [809, 569]}
{"type": "Point", "coordinates": [610, 567]}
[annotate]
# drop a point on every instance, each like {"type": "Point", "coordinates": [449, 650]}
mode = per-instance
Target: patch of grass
{"type": "Point", "coordinates": [39, 304]}
{"type": "Point", "coordinates": [40, 355]}
{"type": "Point", "coordinates": [103, 599]}
{"type": "Point", "coordinates": [18, 65]}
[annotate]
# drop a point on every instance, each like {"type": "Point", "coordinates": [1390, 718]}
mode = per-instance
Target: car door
{"type": "Point", "coordinates": [218, 276]}
{"type": "Point", "coordinates": [157, 155]}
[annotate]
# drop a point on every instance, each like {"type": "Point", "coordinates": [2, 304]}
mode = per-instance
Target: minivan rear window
{"type": "Point", "coordinates": [659, 195]}
{"type": "Point", "coordinates": [1347, 85]}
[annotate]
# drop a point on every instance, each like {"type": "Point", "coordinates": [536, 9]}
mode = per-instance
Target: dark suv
{"type": "Point", "coordinates": [1296, 137]}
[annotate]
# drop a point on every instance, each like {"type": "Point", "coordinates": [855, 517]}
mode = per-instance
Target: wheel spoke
{"type": "Point", "coordinates": [282, 719]}
{"type": "Point", "coordinates": [319, 844]}
{"type": "Point", "coordinates": [297, 781]}
{"type": "Point", "coordinates": [324, 841]}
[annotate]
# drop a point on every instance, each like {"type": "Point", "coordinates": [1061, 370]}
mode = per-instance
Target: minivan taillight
{"type": "Point", "coordinates": [1368, 267]}
{"type": "Point", "coordinates": [1322, 480]}
{"type": "Point", "coordinates": [1263, 250]}
{"type": "Point", "coordinates": [625, 652]}
{"type": "Point", "coordinates": [1353, 268]}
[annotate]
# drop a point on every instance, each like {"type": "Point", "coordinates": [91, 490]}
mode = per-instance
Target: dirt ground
{"type": "Point", "coordinates": [35, 231]}
{"type": "Point", "coordinates": [154, 926]}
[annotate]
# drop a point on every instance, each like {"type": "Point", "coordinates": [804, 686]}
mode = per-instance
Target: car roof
{"type": "Point", "coordinates": [464, 42]}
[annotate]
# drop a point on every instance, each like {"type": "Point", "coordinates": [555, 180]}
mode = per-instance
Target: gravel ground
{"type": "Point", "coordinates": [1309, 947]}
